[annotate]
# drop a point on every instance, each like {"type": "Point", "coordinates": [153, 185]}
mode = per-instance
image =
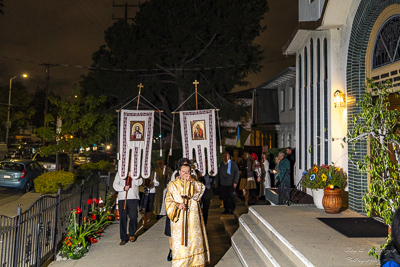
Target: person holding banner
{"type": "Point", "coordinates": [128, 201]}
{"type": "Point", "coordinates": [164, 176]}
{"type": "Point", "coordinates": [188, 232]}
{"type": "Point", "coordinates": [147, 197]}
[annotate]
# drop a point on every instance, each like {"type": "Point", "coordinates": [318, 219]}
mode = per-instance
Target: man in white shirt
{"type": "Point", "coordinates": [128, 201]}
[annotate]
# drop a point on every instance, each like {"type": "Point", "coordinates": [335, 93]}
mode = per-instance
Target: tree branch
{"type": "Point", "coordinates": [204, 49]}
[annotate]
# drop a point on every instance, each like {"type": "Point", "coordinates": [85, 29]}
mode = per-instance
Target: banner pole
{"type": "Point", "coordinates": [140, 89]}
{"type": "Point", "coordinates": [195, 86]}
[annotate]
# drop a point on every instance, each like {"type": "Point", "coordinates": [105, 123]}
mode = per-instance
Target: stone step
{"type": "Point", "coordinates": [265, 247]}
{"type": "Point", "coordinates": [277, 239]}
{"type": "Point", "coordinates": [245, 251]}
{"type": "Point", "coordinates": [230, 225]}
{"type": "Point", "coordinates": [230, 259]}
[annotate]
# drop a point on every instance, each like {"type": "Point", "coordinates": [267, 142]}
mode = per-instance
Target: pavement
{"type": "Point", "coordinates": [26, 200]}
{"type": "Point", "coordinates": [151, 247]}
{"type": "Point", "coordinates": [322, 245]}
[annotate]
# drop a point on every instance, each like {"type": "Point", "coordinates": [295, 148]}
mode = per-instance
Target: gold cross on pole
{"type": "Point", "coordinates": [195, 86]}
{"type": "Point", "coordinates": [140, 89]}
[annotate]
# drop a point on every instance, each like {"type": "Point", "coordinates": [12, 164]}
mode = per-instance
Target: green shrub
{"type": "Point", "coordinates": [50, 182]}
{"type": "Point", "coordinates": [87, 168]}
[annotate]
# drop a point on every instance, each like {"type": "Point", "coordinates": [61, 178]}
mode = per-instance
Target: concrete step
{"type": "Point", "coordinates": [230, 259]}
{"type": "Point", "coordinates": [230, 225]}
{"type": "Point", "coordinates": [265, 247]}
{"type": "Point", "coordinates": [290, 252]}
{"type": "Point", "coordinates": [239, 211]}
{"type": "Point", "coordinates": [245, 251]}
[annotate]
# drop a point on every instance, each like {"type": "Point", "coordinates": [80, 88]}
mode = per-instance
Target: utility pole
{"type": "Point", "coordinates": [46, 101]}
{"type": "Point", "coordinates": [126, 6]}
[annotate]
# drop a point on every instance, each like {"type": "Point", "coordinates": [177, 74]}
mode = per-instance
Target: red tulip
{"type": "Point", "coordinates": [93, 217]}
{"type": "Point", "coordinates": [96, 200]}
{"type": "Point", "coordinates": [78, 210]}
{"type": "Point", "coordinates": [89, 202]}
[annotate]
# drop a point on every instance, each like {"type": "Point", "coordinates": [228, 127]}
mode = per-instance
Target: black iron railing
{"type": "Point", "coordinates": [32, 237]}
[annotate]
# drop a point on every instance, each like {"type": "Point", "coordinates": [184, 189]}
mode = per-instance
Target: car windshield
{"type": "Point", "coordinates": [11, 166]}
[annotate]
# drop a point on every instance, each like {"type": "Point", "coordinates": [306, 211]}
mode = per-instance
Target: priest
{"type": "Point", "coordinates": [188, 232]}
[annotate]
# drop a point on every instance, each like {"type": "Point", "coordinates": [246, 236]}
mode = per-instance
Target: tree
{"type": "Point", "coordinates": [170, 44]}
{"type": "Point", "coordinates": [378, 123]}
{"type": "Point", "coordinates": [21, 112]}
{"type": "Point", "coordinates": [84, 123]}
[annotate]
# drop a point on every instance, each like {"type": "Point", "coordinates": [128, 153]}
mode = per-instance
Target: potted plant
{"type": "Point", "coordinates": [321, 177]}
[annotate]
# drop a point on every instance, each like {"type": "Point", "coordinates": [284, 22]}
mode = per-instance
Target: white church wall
{"type": "Point", "coordinates": [340, 39]}
{"type": "Point", "coordinates": [310, 10]}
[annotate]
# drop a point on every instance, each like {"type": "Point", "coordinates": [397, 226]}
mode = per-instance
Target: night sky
{"type": "Point", "coordinates": [67, 32]}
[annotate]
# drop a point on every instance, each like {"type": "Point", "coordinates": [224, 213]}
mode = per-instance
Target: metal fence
{"type": "Point", "coordinates": [32, 237]}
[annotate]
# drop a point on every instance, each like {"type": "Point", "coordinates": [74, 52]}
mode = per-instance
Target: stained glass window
{"type": "Point", "coordinates": [386, 48]}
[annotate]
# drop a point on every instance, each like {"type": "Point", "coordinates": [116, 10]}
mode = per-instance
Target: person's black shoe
{"type": "Point", "coordinates": [231, 212]}
{"type": "Point", "coordinates": [123, 243]}
{"type": "Point", "coordinates": [169, 258]}
{"type": "Point", "coordinates": [225, 212]}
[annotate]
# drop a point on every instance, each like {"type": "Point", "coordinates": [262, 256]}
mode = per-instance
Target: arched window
{"type": "Point", "coordinates": [386, 47]}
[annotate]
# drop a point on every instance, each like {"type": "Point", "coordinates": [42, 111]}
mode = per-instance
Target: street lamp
{"type": "Point", "coordinates": [8, 125]}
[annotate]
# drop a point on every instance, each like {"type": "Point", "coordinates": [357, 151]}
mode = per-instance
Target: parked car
{"type": "Point", "coordinates": [91, 157]}
{"type": "Point", "coordinates": [19, 173]}
{"type": "Point", "coordinates": [17, 151]}
{"type": "Point", "coordinates": [82, 158]}
{"type": "Point", "coordinates": [49, 162]}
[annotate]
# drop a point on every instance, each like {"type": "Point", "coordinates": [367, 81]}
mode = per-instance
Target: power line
{"type": "Point", "coordinates": [140, 70]}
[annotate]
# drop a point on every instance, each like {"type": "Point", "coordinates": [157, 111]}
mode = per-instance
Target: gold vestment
{"type": "Point", "coordinates": [196, 253]}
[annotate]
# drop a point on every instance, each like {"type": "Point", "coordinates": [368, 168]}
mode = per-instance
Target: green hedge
{"type": "Point", "coordinates": [50, 182]}
{"type": "Point", "coordinates": [87, 168]}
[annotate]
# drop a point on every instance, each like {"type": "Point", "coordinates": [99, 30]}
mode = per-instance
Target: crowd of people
{"type": "Point", "coordinates": [258, 174]}
{"type": "Point", "coordinates": [185, 196]}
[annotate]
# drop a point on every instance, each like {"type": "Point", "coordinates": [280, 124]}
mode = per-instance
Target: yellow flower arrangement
{"type": "Point", "coordinates": [324, 176]}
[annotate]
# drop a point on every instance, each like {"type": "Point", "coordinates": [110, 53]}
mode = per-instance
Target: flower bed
{"type": "Point", "coordinates": [82, 234]}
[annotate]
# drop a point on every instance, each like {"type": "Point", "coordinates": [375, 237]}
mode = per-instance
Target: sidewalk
{"type": "Point", "coordinates": [10, 209]}
{"type": "Point", "coordinates": [151, 247]}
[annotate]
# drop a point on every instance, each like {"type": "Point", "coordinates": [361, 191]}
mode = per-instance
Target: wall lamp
{"type": "Point", "coordinates": [339, 99]}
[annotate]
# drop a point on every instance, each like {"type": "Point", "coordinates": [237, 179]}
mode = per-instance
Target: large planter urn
{"type": "Point", "coordinates": [318, 194]}
{"type": "Point", "coordinates": [332, 201]}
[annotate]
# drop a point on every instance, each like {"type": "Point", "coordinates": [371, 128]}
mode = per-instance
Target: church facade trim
{"type": "Point", "coordinates": [335, 44]}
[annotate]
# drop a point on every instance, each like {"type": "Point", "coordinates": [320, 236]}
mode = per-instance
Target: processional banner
{"type": "Point", "coordinates": [199, 135]}
{"type": "Point", "coordinates": [136, 135]}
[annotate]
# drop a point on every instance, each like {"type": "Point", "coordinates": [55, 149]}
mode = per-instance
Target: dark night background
{"type": "Point", "coordinates": [68, 33]}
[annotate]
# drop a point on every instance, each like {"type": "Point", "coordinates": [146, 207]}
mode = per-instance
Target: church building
{"type": "Point", "coordinates": [338, 44]}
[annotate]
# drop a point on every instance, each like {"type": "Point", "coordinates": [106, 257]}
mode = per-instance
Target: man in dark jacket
{"type": "Point", "coordinates": [227, 178]}
{"type": "Point", "coordinates": [291, 157]}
